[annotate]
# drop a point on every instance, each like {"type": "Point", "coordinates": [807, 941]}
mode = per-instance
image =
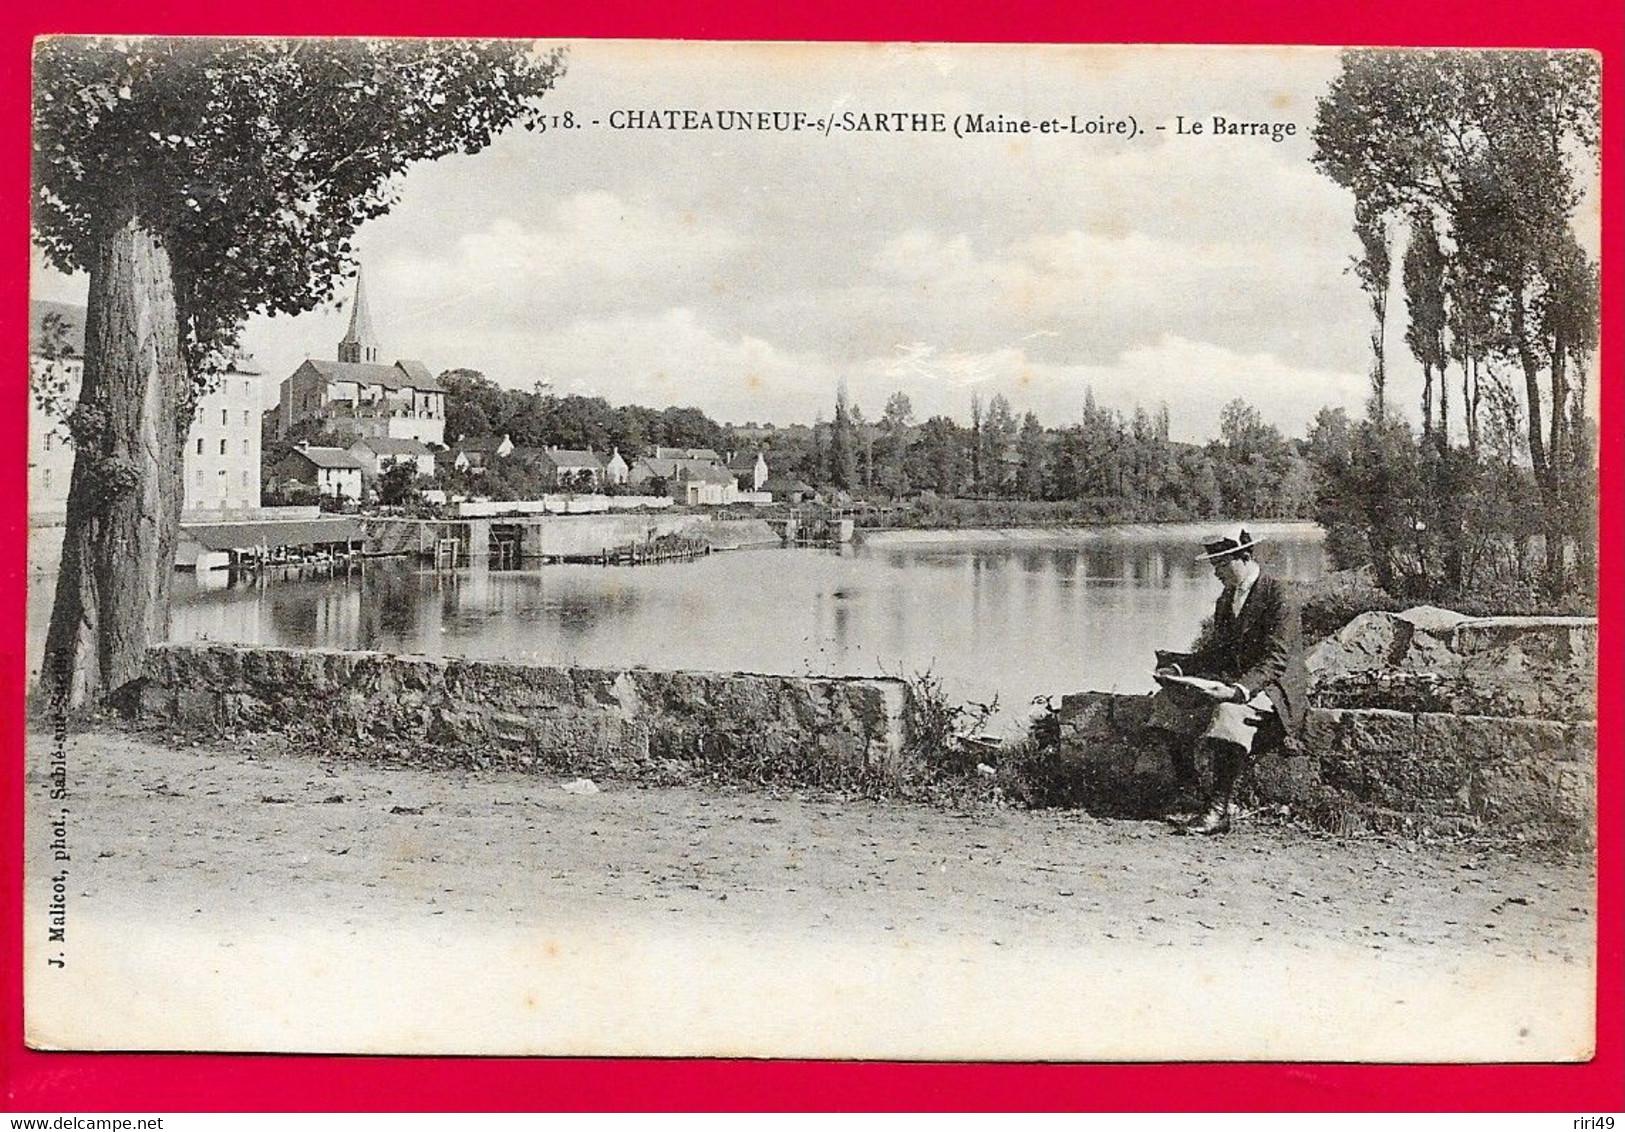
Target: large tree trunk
{"type": "Point", "coordinates": [1548, 477]}
{"type": "Point", "coordinates": [124, 501]}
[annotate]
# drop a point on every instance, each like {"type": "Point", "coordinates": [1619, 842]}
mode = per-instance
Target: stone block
{"type": "Point", "coordinates": [1321, 729]}
{"type": "Point", "coordinates": [1580, 743]}
{"type": "Point", "coordinates": [1548, 641]}
{"type": "Point", "coordinates": [1482, 739]}
{"type": "Point", "coordinates": [1518, 791]}
{"type": "Point", "coordinates": [157, 697]}
{"type": "Point", "coordinates": [1371, 640]}
{"type": "Point", "coordinates": [1379, 730]}
{"type": "Point", "coordinates": [1291, 778]}
{"type": "Point", "coordinates": [1343, 730]}
{"type": "Point", "coordinates": [196, 707]}
{"type": "Point", "coordinates": [1102, 715]}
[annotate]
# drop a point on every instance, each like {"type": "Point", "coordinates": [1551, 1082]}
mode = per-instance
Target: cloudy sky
{"type": "Point", "coordinates": [750, 273]}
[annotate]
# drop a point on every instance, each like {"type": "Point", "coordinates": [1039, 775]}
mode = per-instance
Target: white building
{"type": "Point", "coordinates": [377, 455]}
{"type": "Point", "coordinates": [221, 458]}
{"type": "Point", "coordinates": [331, 471]}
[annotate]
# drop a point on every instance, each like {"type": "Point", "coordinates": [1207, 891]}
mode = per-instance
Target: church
{"type": "Point", "coordinates": [357, 396]}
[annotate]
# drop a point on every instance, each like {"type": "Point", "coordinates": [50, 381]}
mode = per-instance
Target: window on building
{"type": "Point", "coordinates": [245, 418]}
{"type": "Point", "coordinates": [200, 446]}
{"type": "Point", "coordinates": [222, 448]}
{"type": "Point", "coordinates": [47, 479]}
{"type": "Point", "coordinates": [222, 418]}
{"type": "Point", "coordinates": [244, 477]}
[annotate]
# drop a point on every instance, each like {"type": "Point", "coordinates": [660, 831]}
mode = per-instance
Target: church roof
{"type": "Point", "coordinates": [360, 332]}
{"type": "Point", "coordinates": [402, 375]}
{"type": "Point", "coordinates": [419, 375]}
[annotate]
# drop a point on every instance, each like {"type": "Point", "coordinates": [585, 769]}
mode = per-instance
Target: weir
{"type": "Point", "coordinates": [539, 538]}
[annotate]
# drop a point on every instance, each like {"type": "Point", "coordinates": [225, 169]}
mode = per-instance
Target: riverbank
{"type": "Point", "coordinates": [1072, 535]}
{"type": "Point", "coordinates": [245, 897]}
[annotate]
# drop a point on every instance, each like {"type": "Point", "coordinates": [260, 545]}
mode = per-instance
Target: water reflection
{"type": "Point", "coordinates": [1008, 620]}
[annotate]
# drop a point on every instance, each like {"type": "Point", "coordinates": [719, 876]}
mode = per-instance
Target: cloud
{"type": "Point", "coordinates": [1194, 379]}
{"type": "Point", "coordinates": [751, 273]}
{"type": "Point", "coordinates": [591, 250]}
{"type": "Point", "coordinates": [678, 357]}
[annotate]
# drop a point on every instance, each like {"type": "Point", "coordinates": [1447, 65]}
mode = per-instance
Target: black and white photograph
{"type": "Point", "coordinates": [813, 550]}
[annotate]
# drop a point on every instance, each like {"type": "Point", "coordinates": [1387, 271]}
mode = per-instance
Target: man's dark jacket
{"type": "Point", "coordinates": [1261, 649]}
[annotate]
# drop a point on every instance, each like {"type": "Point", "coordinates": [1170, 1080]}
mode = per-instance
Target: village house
{"type": "Point", "coordinates": [477, 454]}
{"type": "Point", "coordinates": [377, 454]}
{"type": "Point", "coordinates": [221, 457]}
{"type": "Point", "coordinates": [331, 471]}
{"type": "Point", "coordinates": [786, 489]}
{"type": "Point", "coordinates": [750, 469]}
{"type": "Point", "coordinates": [357, 396]}
{"type": "Point", "coordinates": [616, 470]}
{"type": "Point", "coordinates": [572, 468]}
{"type": "Point", "coordinates": [691, 481]}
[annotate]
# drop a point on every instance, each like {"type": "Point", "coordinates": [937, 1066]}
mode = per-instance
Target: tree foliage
{"type": "Point", "coordinates": [1482, 154]}
{"type": "Point", "coordinates": [198, 181]}
{"type": "Point", "coordinates": [256, 160]}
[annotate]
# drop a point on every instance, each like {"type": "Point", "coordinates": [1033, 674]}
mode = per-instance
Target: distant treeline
{"type": "Point", "coordinates": [1108, 465]}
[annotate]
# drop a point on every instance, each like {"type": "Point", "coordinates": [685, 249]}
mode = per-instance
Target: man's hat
{"type": "Point", "coordinates": [1215, 547]}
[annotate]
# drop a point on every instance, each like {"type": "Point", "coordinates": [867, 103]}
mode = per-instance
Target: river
{"type": "Point", "coordinates": [1007, 617]}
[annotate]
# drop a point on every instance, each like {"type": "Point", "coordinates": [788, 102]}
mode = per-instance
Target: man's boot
{"type": "Point", "coordinates": [1186, 803]}
{"type": "Point", "coordinates": [1229, 763]}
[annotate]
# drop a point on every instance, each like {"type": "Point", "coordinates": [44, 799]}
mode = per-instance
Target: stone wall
{"type": "Point", "coordinates": [1422, 721]}
{"type": "Point", "coordinates": [1434, 660]}
{"type": "Point", "coordinates": [552, 536]}
{"type": "Point", "coordinates": [656, 726]}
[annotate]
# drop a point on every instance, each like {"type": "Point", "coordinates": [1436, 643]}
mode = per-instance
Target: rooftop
{"type": "Point", "coordinates": [404, 374]}
{"type": "Point", "coordinates": [328, 457]}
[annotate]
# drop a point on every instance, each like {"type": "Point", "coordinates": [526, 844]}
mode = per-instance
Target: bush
{"type": "Point", "coordinates": [1335, 599]}
{"type": "Point", "coordinates": [942, 745]}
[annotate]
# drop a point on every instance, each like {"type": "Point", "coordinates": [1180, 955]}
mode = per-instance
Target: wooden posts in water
{"type": "Point", "coordinates": [662, 548]}
{"type": "Point", "coordinates": [261, 560]}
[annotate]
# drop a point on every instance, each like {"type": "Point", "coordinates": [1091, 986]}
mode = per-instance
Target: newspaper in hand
{"type": "Point", "coordinates": [1215, 689]}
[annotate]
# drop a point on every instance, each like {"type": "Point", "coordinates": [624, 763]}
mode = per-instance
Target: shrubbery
{"type": "Point", "coordinates": [1438, 525]}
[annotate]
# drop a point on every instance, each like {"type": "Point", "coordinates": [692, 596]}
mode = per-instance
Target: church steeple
{"type": "Point", "coordinates": [359, 343]}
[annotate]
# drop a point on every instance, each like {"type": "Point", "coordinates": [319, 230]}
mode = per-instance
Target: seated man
{"type": "Point", "coordinates": [1250, 674]}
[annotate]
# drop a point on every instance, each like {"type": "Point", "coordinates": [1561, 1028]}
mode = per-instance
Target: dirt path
{"type": "Point", "coordinates": [194, 870]}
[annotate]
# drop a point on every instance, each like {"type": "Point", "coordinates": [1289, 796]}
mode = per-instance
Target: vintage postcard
{"type": "Point", "coordinates": [813, 550]}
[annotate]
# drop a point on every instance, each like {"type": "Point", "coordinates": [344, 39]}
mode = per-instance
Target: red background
{"type": "Point", "coordinates": [134, 1082]}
